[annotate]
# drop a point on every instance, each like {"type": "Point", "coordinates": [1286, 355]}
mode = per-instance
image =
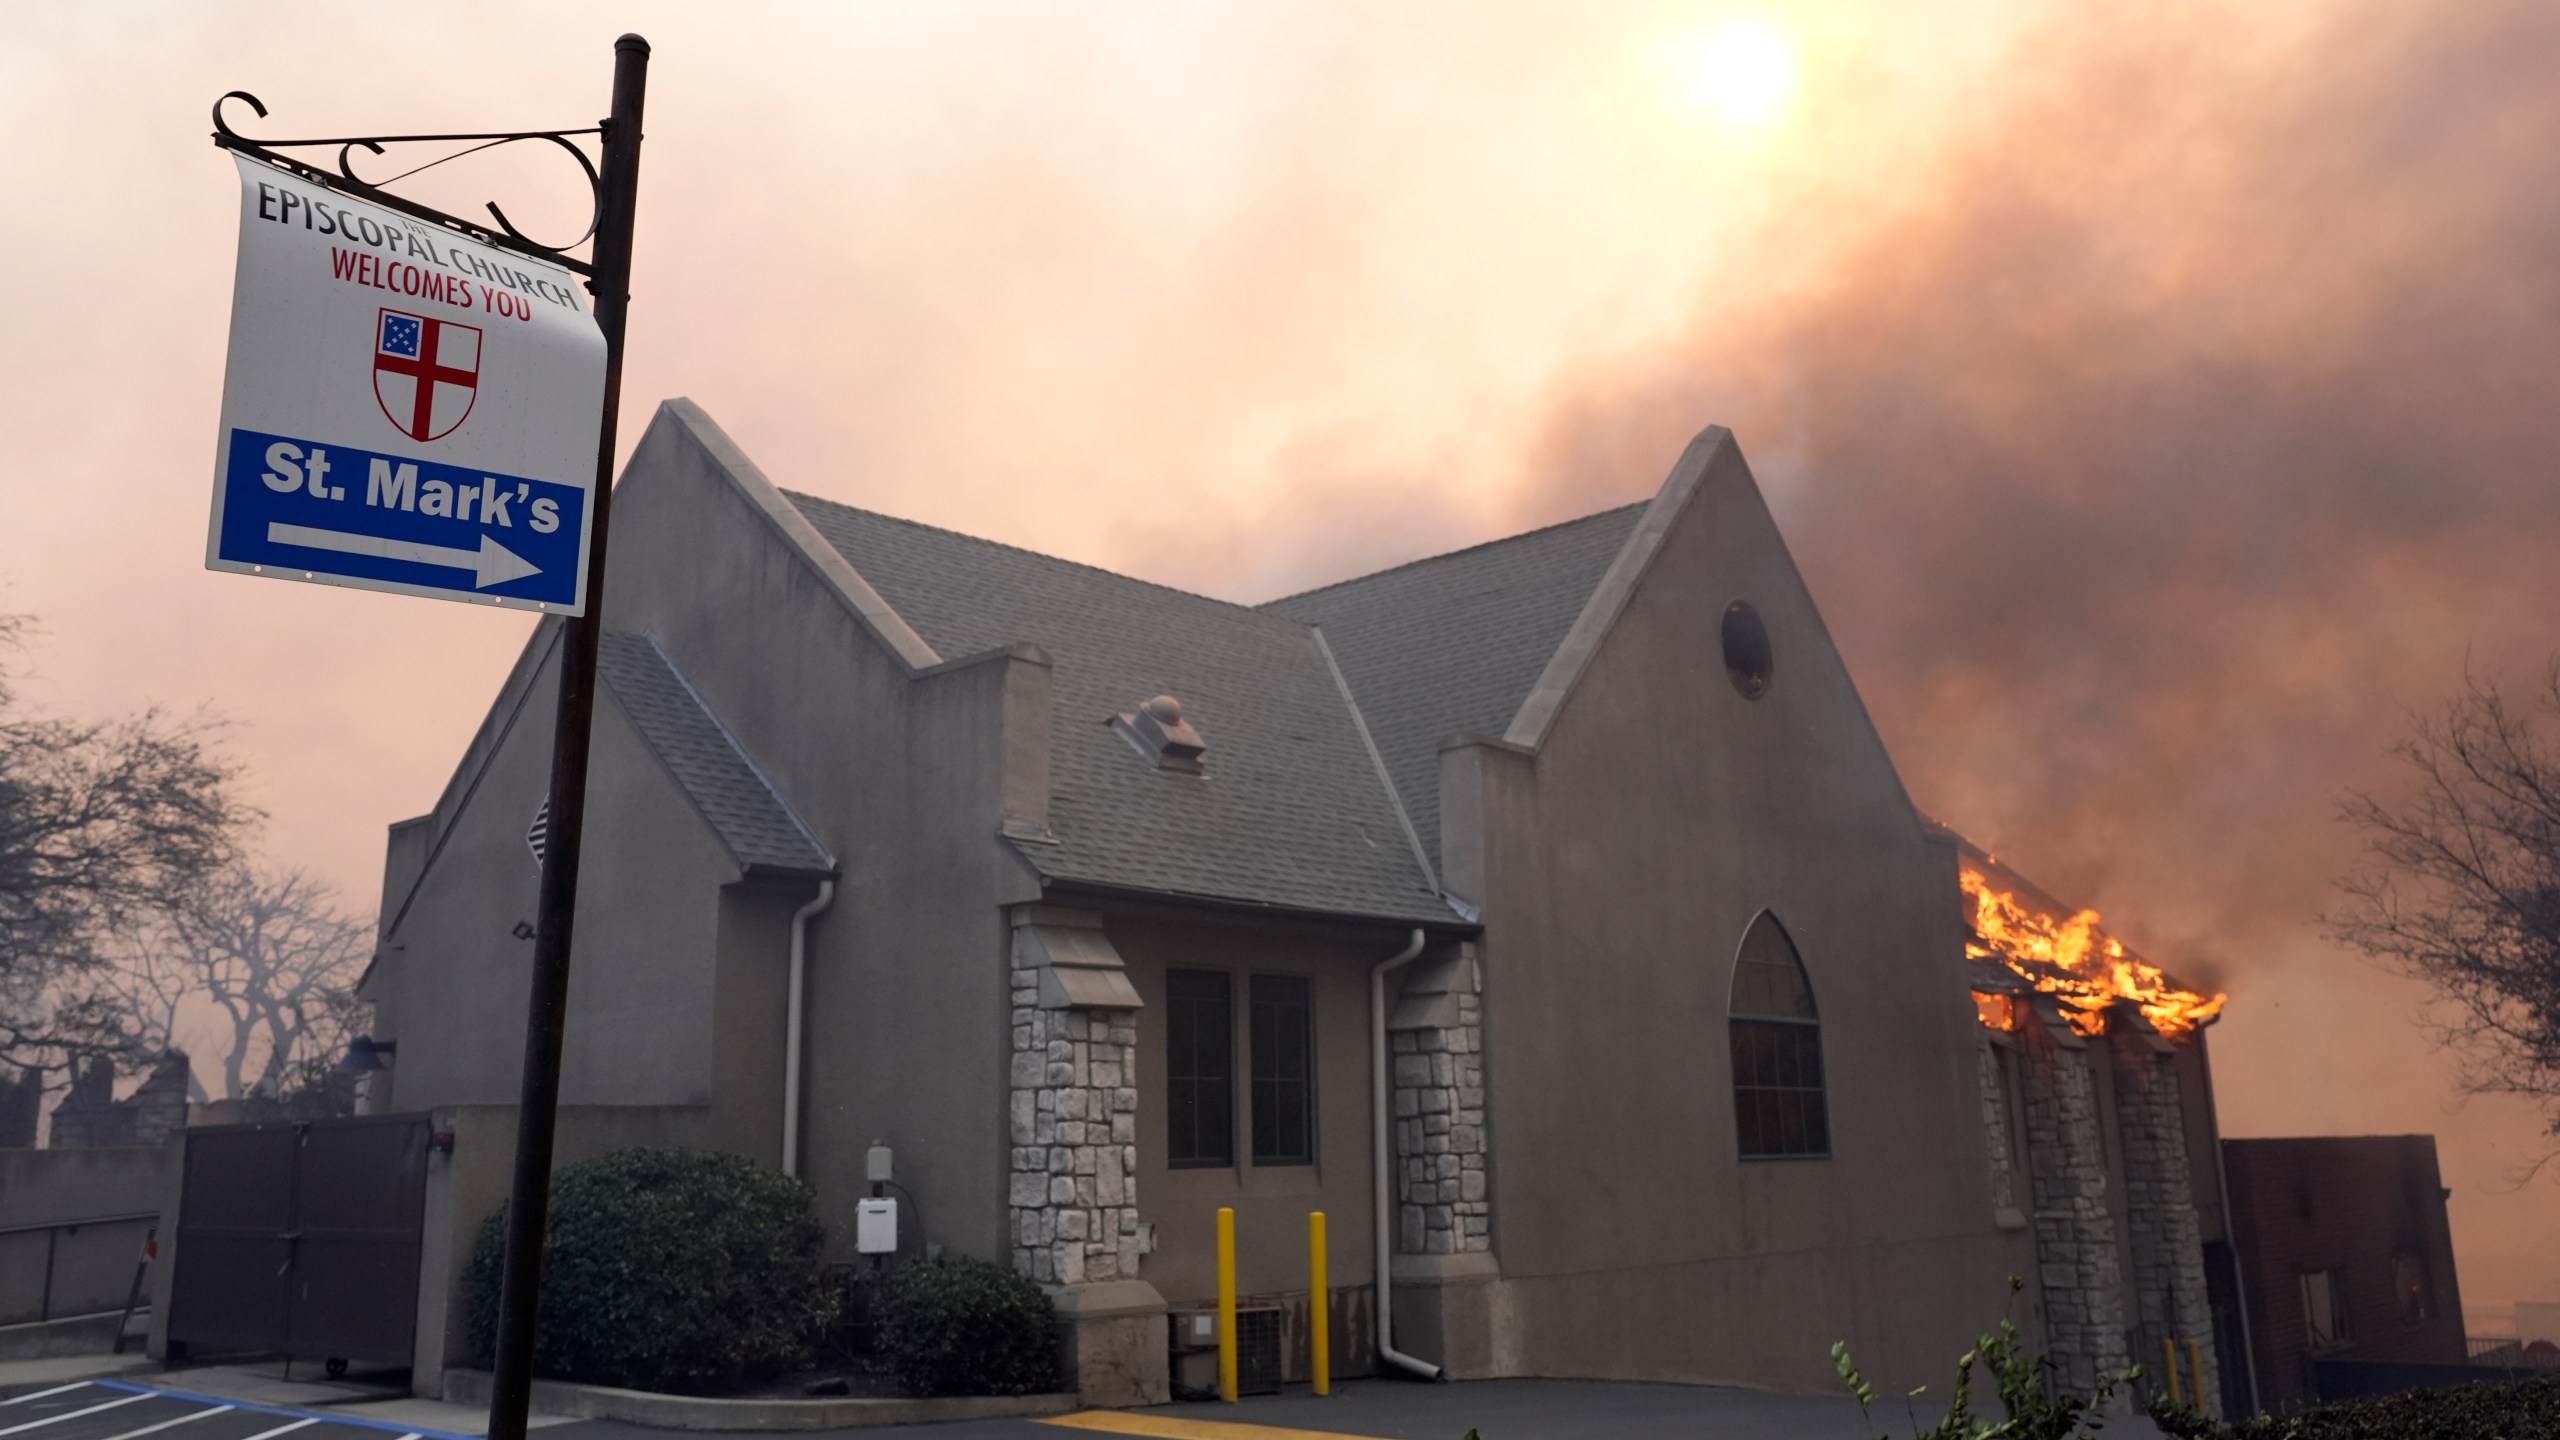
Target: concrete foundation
{"type": "Point", "coordinates": [1114, 1350]}
{"type": "Point", "coordinates": [1449, 1310]}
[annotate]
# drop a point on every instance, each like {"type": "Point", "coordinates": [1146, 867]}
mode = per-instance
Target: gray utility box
{"type": "Point", "coordinates": [1195, 1349]}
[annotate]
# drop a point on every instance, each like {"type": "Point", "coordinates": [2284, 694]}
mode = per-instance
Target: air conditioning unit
{"type": "Point", "coordinates": [1195, 1349]}
{"type": "Point", "coordinates": [1194, 1330]}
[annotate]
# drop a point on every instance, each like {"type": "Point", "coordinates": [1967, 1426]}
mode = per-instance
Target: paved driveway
{"type": "Point", "coordinates": [1400, 1410]}
{"type": "Point", "coordinates": [1360, 1410]}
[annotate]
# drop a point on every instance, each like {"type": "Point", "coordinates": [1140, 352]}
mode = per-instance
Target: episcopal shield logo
{"type": "Point", "coordinates": [426, 373]}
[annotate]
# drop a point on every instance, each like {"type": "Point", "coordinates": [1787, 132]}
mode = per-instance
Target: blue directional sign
{"type": "Point", "coordinates": [303, 509]}
{"type": "Point", "coordinates": [404, 408]}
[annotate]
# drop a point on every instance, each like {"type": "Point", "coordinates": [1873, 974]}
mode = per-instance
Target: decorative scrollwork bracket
{"type": "Point", "coordinates": [345, 179]}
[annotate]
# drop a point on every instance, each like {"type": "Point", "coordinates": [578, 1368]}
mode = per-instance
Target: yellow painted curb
{"type": "Point", "coordinates": [1122, 1422]}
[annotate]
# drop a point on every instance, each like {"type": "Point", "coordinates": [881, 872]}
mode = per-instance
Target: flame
{"type": "Point", "coordinates": [2075, 962]}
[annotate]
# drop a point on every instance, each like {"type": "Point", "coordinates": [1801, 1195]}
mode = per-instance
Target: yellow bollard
{"type": "Point", "coordinates": [1319, 1307]}
{"type": "Point", "coordinates": [1227, 1305]}
{"type": "Point", "coordinates": [2195, 1376]}
{"type": "Point", "coordinates": [2169, 1357]}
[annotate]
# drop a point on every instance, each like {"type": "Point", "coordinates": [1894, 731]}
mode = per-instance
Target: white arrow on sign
{"type": "Point", "coordinates": [492, 564]}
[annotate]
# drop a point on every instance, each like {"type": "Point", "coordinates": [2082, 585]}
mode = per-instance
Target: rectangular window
{"type": "Point", "coordinates": [1199, 1069]}
{"type": "Point", "coordinates": [1283, 1071]}
{"type": "Point", "coordinates": [2417, 1293]}
{"type": "Point", "coordinates": [2324, 1310]}
{"type": "Point", "coordinates": [1778, 1103]}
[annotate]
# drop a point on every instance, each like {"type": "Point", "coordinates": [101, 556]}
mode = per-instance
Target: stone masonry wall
{"type": "Point", "coordinates": [1442, 1204]}
{"type": "Point", "coordinates": [91, 1118]}
{"type": "Point", "coordinates": [2077, 1262]}
{"type": "Point", "coordinates": [1995, 1131]}
{"type": "Point", "coordinates": [2168, 1290]}
{"type": "Point", "coordinates": [1075, 1132]}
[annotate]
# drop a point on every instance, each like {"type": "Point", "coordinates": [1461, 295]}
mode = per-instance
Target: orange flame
{"type": "Point", "coordinates": [1998, 1012]}
{"type": "Point", "coordinates": [2076, 963]}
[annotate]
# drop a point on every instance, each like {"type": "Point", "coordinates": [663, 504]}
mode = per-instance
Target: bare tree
{"type": "Point", "coordinates": [263, 958]}
{"type": "Point", "coordinates": [100, 823]}
{"type": "Point", "coordinates": [2462, 889]}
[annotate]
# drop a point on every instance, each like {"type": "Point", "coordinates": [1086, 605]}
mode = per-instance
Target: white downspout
{"type": "Point", "coordinates": [1382, 1170]}
{"type": "Point", "coordinates": [791, 1040]}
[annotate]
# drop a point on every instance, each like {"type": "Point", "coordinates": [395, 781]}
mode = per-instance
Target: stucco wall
{"type": "Point", "coordinates": [1618, 866]}
{"type": "Point", "coordinates": [92, 1266]}
{"type": "Point", "coordinates": [1271, 1202]}
{"type": "Point", "coordinates": [749, 1028]}
{"type": "Point", "coordinates": [903, 776]}
{"type": "Point", "coordinates": [678, 985]}
{"type": "Point", "coordinates": [641, 983]}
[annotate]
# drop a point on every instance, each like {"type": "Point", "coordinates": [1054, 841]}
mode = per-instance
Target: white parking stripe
{"type": "Point", "coordinates": [76, 1414]}
{"type": "Point", "coordinates": [165, 1424]}
{"type": "Point", "coordinates": [282, 1429]}
{"type": "Point", "coordinates": [40, 1394]}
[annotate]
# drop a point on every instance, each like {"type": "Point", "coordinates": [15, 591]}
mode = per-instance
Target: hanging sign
{"type": "Point", "coordinates": [404, 409]}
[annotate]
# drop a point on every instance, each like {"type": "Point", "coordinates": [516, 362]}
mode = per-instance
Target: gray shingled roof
{"type": "Point", "coordinates": [1453, 644]}
{"type": "Point", "coordinates": [1291, 812]}
{"type": "Point", "coordinates": [759, 828]}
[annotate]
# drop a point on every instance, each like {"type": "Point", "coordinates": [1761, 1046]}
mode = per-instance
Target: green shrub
{"type": "Point", "coordinates": [2031, 1408]}
{"type": "Point", "coordinates": [957, 1326]}
{"type": "Point", "coordinates": [667, 1270]}
{"type": "Point", "coordinates": [2489, 1410]}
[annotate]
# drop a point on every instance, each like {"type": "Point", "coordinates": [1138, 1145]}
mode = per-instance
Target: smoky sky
{"type": "Point", "coordinates": [2191, 427]}
{"type": "Point", "coordinates": [2156, 481]}
{"type": "Point", "coordinates": [2182, 430]}
{"type": "Point", "coordinates": [2201, 430]}
{"type": "Point", "coordinates": [2211, 433]}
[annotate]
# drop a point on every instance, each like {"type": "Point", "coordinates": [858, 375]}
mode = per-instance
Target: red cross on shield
{"type": "Point", "coordinates": [426, 372]}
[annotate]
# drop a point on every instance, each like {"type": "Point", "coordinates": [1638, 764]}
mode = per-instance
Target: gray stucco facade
{"type": "Point", "coordinates": [1528, 759]}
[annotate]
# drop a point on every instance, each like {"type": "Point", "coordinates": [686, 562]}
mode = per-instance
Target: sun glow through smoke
{"type": "Point", "coordinates": [1742, 70]}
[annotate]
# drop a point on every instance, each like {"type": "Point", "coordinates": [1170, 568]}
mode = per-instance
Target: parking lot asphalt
{"type": "Point", "coordinates": [1495, 1409]}
{"type": "Point", "coordinates": [1360, 1410]}
{"type": "Point", "coordinates": [122, 1410]}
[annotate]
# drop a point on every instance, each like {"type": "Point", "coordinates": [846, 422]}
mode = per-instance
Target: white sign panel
{"type": "Point", "coordinates": [404, 409]}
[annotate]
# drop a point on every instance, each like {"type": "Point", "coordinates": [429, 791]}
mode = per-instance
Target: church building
{"type": "Point", "coordinates": [1549, 914]}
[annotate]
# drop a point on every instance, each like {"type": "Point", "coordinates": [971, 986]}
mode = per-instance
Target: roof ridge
{"type": "Point", "coordinates": [630, 662]}
{"type": "Point", "coordinates": [745, 756]}
{"type": "Point", "coordinates": [797, 497]}
{"type": "Point", "coordinates": [1422, 560]}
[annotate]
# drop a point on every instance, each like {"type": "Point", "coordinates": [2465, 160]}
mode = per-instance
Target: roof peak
{"type": "Point", "coordinates": [1261, 608]}
{"type": "Point", "coordinates": [1464, 550]}
{"type": "Point", "coordinates": [801, 498]}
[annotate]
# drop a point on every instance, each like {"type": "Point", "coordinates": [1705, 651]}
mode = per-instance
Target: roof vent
{"type": "Point", "coordinates": [1161, 734]}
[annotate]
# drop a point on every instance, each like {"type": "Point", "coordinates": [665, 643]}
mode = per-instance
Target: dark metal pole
{"type": "Point", "coordinates": [537, 1114]}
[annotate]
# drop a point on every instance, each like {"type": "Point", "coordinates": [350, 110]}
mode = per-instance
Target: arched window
{"type": "Point", "coordinates": [1778, 1105]}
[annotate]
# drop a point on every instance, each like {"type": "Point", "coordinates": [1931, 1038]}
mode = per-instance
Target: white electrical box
{"type": "Point", "coordinates": [875, 1227]}
{"type": "Point", "coordinates": [878, 1166]}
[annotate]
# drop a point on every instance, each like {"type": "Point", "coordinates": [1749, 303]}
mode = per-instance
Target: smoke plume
{"type": "Point", "coordinates": [2188, 425]}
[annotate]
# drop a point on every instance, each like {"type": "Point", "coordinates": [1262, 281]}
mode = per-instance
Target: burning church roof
{"type": "Point", "coordinates": [2021, 942]}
